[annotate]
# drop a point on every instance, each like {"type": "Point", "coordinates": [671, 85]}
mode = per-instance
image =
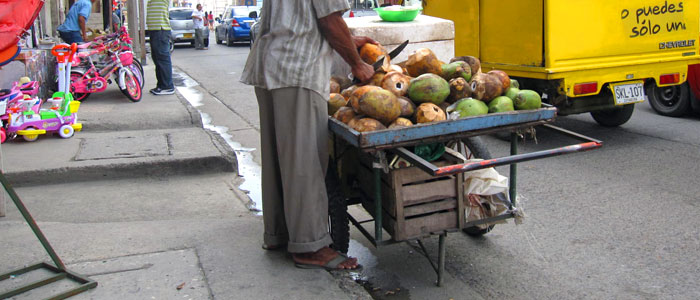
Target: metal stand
{"type": "Point", "coordinates": [60, 271]}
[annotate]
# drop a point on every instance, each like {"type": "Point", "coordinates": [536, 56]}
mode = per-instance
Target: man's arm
{"type": "Point", "coordinates": [335, 30]}
{"type": "Point", "coordinates": [81, 22]}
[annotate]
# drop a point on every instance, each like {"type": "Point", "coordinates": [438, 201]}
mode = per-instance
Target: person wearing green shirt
{"type": "Point", "coordinates": [158, 26]}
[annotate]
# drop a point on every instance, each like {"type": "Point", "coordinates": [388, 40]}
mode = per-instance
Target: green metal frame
{"type": "Point", "coordinates": [59, 270]}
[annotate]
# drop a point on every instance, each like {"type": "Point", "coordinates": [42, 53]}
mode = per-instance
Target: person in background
{"type": "Point", "coordinates": [198, 19]}
{"type": "Point", "coordinates": [73, 29]}
{"type": "Point", "coordinates": [290, 65]}
{"type": "Point", "coordinates": [210, 16]}
{"type": "Point", "coordinates": [158, 26]}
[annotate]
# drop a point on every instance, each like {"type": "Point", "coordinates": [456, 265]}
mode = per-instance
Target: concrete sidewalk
{"type": "Point", "coordinates": [144, 201]}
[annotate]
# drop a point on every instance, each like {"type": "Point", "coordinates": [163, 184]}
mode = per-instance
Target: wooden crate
{"type": "Point", "coordinates": [415, 204]}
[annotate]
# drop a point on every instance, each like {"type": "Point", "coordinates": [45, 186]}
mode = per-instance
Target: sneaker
{"type": "Point", "coordinates": [159, 91]}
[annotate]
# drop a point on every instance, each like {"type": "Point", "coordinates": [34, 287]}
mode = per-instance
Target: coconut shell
{"type": "Point", "coordinates": [371, 52]}
{"type": "Point", "coordinates": [473, 62]}
{"type": "Point", "coordinates": [392, 68]}
{"type": "Point", "coordinates": [401, 122]}
{"type": "Point", "coordinates": [485, 87]}
{"type": "Point", "coordinates": [368, 124]}
{"type": "Point", "coordinates": [344, 114]}
{"type": "Point", "coordinates": [423, 61]}
{"type": "Point", "coordinates": [335, 102]}
{"type": "Point", "coordinates": [396, 82]}
{"type": "Point", "coordinates": [503, 77]}
{"type": "Point", "coordinates": [428, 112]}
{"type": "Point", "coordinates": [456, 69]}
{"type": "Point", "coordinates": [353, 122]}
{"type": "Point", "coordinates": [459, 89]}
{"type": "Point", "coordinates": [408, 109]}
{"type": "Point", "coordinates": [357, 94]}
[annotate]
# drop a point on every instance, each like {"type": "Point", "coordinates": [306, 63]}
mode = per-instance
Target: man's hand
{"type": "Point", "coordinates": [335, 30]}
{"type": "Point", "coordinates": [362, 40]}
{"type": "Point", "coordinates": [363, 72]}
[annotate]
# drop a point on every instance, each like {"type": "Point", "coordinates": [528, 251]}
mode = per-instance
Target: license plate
{"type": "Point", "coordinates": [187, 35]}
{"type": "Point", "coordinates": [628, 92]}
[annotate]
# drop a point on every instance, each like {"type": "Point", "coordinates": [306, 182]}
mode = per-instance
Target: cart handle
{"type": "Point", "coordinates": [590, 144]}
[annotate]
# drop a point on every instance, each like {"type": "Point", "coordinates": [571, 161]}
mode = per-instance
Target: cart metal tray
{"type": "Point", "coordinates": [442, 131]}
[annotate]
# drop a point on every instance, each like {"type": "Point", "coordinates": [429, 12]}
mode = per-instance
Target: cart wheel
{"type": "Point", "coordinates": [337, 211]}
{"type": "Point", "coordinates": [66, 131]}
{"type": "Point", "coordinates": [478, 149]}
{"type": "Point", "coordinates": [30, 137]}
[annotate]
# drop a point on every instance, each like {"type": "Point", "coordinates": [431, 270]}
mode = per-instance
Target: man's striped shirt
{"type": "Point", "coordinates": [289, 50]}
{"type": "Point", "coordinates": [157, 17]}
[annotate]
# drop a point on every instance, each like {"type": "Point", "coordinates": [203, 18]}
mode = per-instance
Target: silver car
{"type": "Point", "coordinates": [183, 26]}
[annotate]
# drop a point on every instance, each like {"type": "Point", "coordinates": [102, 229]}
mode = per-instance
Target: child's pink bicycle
{"type": "Point", "coordinates": [93, 80]}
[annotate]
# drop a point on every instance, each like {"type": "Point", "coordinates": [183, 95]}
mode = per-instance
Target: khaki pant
{"type": "Point", "coordinates": [199, 38]}
{"type": "Point", "coordinates": [294, 140]}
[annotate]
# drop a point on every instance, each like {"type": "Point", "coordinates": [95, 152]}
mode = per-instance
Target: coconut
{"type": "Point", "coordinates": [428, 88]}
{"type": "Point", "coordinates": [501, 104]}
{"type": "Point", "coordinates": [396, 82]}
{"type": "Point", "coordinates": [371, 52]}
{"type": "Point", "coordinates": [344, 114]}
{"type": "Point", "coordinates": [358, 93]}
{"type": "Point", "coordinates": [380, 104]}
{"type": "Point", "coordinates": [503, 77]}
{"type": "Point", "coordinates": [471, 107]}
{"type": "Point", "coordinates": [429, 112]}
{"type": "Point", "coordinates": [423, 61]}
{"type": "Point", "coordinates": [401, 122]}
{"type": "Point", "coordinates": [335, 86]}
{"type": "Point", "coordinates": [459, 89]}
{"type": "Point", "coordinates": [377, 78]}
{"type": "Point", "coordinates": [335, 102]}
{"type": "Point", "coordinates": [407, 107]}
{"type": "Point", "coordinates": [511, 92]}
{"type": "Point", "coordinates": [348, 91]}
{"type": "Point", "coordinates": [485, 87]}
{"type": "Point", "coordinates": [473, 62]}
{"type": "Point", "coordinates": [456, 69]}
{"type": "Point", "coordinates": [368, 124]}
{"type": "Point", "coordinates": [527, 99]}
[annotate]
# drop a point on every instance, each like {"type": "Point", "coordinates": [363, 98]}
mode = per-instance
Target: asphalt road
{"type": "Point", "coordinates": [615, 223]}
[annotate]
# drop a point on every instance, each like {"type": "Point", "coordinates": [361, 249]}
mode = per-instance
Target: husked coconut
{"type": "Point", "coordinates": [485, 87]}
{"type": "Point", "coordinates": [408, 109]}
{"type": "Point", "coordinates": [368, 124]}
{"type": "Point", "coordinates": [503, 77]}
{"type": "Point", "coordinates": [428, 112]}
{"type": "Point", "coordinates": [380, 104]}
{"type": "Point", "coordinates": [377, 78]}
{"type": "Point", "coordinates": [423, 61]}
{"type": "Point", "coordinates": [459, 89]}
{"type": "Point", "coordinates": [371, 52]}
{"type": "Point", "coordinates": [396, 82]}
{"type": "Point", "coordinates": [348, 91]}
{"type": "Point", "coordinates": [358, 93]}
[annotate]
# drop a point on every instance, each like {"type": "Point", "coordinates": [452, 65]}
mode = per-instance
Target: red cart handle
{"type": "Point", "coordinates": [64, 52]}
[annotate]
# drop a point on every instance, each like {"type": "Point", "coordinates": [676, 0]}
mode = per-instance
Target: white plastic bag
{"type": "Point", "coordinates": [486, 192]}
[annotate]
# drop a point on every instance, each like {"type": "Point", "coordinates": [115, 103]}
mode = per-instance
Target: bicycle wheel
{"type": "Point", "coordinates": [132, 89]}
{"type": "Point", "coordinates": [75, 76]}
{"type": "Point", "coordinates": [136, 68]}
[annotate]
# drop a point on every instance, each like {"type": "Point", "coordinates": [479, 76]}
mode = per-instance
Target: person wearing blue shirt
{"type": "Point", "coordinates": [73, 28]}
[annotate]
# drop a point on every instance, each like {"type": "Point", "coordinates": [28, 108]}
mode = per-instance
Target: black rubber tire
{"type": "Point", "coordinates": [206, 42]}
{"type": "Point", "coordinates": [78, 96]}
{"type": "Point", "coordinates": [137, 63]}
{"type": "Point", "coordinates": [671, 101]}
{"type": "Point", "coordinates": [613, 117]}
{"type": "Point", "coordinates": [479, 150]}
{"type": "Point", "coordinates": [229, 41]}
{"type": "Point", "coordinates": [337, 211]}
{"type": "Point", "coordinates": [218, 41]}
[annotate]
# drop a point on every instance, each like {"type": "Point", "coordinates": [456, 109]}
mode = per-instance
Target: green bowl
{"type": "Point", "coordinates": [404, 14]}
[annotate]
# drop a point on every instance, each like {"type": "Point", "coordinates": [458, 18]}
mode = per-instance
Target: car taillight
{"type": "Point", "coordinates": [234, 23]}
{"type": "Point", "coordinates": [585, 88]}
{"type": "Point", "coordinates": [670, 78]}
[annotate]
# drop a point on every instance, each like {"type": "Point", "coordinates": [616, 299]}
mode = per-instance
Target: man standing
{"type": "Point", "coordinates": [198, 17]}
{"type": "Point", "coordinates": [158, 26]}
{"type": "Point", "coordinates": [73, 28]}
{"type": "Point", "coordinates": [289, 66]}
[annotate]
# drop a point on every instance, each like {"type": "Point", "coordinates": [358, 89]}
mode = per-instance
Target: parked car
{"type": "Point", "coordinates": [678, 100]}
{"type": "Point", "coordinates": [254, 31]}
{"type": "Point", "coordinates": [235, 24]}
{"type": "Point", "coordinates": [183, 27]}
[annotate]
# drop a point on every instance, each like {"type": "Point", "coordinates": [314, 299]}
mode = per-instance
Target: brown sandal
{"type": "Point", "coordinates": [273, 247]}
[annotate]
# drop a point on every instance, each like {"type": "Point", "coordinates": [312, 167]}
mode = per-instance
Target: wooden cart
{"type": "Point", "coordinates": [427, 198]}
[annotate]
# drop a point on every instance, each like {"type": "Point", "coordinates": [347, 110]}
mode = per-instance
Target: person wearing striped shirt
{"type": "Point", "coordinates": [158, 27]}
{"type": "Point", "coordinates": [289, 65]}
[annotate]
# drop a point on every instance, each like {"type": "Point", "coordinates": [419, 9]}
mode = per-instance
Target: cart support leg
{"type": "Point", "coordinates": [377, 205]}
{"type": "Point", "coordinates": [441, 258]}
{"type": "Point", "coordinates": [512, 192]}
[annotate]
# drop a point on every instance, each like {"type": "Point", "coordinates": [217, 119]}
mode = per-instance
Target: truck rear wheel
{"type": "Point", "coordinates": [672, 101]}
{"type": "Point", "coordinates": [613, 117]}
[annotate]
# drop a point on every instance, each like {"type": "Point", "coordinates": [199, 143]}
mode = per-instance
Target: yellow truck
{"type": "Point", "coordinates": [596, 56]}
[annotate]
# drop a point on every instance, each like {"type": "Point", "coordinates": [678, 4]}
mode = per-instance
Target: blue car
{"type": "Point", "coordinates": [234, 24]}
